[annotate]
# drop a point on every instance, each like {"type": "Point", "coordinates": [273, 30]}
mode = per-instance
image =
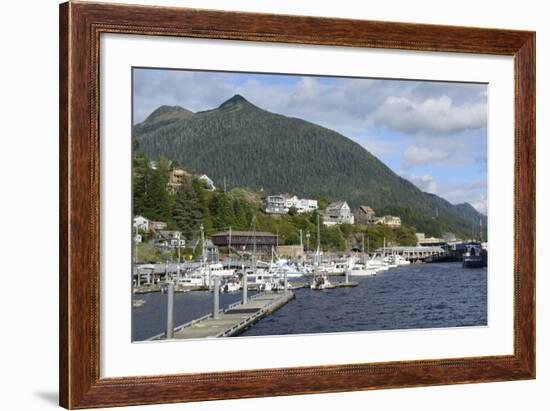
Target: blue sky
{"type": "Point", "coordinates": [432, 133]}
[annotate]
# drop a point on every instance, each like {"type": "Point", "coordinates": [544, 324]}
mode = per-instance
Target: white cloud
{"type": "Point", "coordinates": [432, 116]}
{"type": "Point", "coordinates": [413, 156]}
{"type": "Point", "coordinates": [474, 193]}
{"type": "Point", "coordinates": [425, 183]}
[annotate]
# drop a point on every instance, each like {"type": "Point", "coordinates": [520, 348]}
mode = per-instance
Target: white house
{"type": "Point", "coordinates": [389, 220]}
{"type": "Point", "coordinates": [302, 205]}
{"type": "Point", "coordinates": [169, 239]}
{"type": "Point", "coordinates": [141, 223]}
{"type": "Point", "coordinates": [337, 213]}
{"type": "Point", "coordinates": [207, 182]}
{"type": "Point", "coordinates": [275, 205]}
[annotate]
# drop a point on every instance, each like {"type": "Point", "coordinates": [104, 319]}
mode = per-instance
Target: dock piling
{"type": "Point", "coordinates": [170, 313]}
{"type": "Point", "coordinates": [216, 307]}
{"type": "Point", "coordinates": [245, 286]}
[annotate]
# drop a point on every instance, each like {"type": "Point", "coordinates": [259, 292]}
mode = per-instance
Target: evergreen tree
{"type": "Point", "coordinates": [222, 212]}
{"type": "Point", "coordinates": [187, 211]}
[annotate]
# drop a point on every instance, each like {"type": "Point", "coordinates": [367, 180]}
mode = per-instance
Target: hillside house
{"type": "Point", "coordinates": [167, 239]}
{"type": "Point", "coordinates": [176, 177]}
{"type": "Point", "coordinates": [337, 213]}
{"type": "Point", "coordinates": [364, 215]}
{"type": "Point", "coordinates": [208, 183]}
{"type": "Point", "coordinates": [157, 225]}
{"type": "Point", "coordinates": [141, 223]}
{"type": "Point", "coordinates": [274, 205]}
{"type": "Point", "coordinates": [302, 205]}
{"type": "Point", "coordinates": [389, 220]}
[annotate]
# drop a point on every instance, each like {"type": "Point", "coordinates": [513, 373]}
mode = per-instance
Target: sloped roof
{"type": "Point", "coordinates": [244, 233]}
{"type": "Point", "coordinates": [366, 209]}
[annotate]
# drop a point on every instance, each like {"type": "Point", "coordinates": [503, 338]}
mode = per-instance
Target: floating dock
{"type": "Point", "coordinates": [234, 320]}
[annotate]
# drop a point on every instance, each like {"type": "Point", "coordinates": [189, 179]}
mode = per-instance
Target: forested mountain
{"type": "Point", "coordinates": [257, 149]}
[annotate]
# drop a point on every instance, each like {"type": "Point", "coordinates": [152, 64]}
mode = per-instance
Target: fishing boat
{"type": "Point", "coordinates": [320, 279]}
{"type": "Point", "coordinates": [474, 258]}
{"type": "Point", "coordinates": [321, 282]}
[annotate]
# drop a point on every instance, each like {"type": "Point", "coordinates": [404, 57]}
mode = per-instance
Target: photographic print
{"type": "Point", "coordinates": [275, 204]}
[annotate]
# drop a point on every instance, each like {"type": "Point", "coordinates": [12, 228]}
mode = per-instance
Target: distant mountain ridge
{"type": "Point", "coordinates": [254, 148]}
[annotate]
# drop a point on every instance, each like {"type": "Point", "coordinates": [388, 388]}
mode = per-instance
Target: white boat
{"type": "Point", "coordinates": [220, 271]}
{"type": "Point", "coordinates": [400, 260]}
{"type": "Point", "coordinates": [360, 270]}
{"type": "Point", "coordinates": [389, 261]}
{"type": "Point", "coordinates": [377, 264]}
{"type": "Point", "coordinates": [288, 270]}
{"type": "Point", "coordinates": [214, 269]}
{"type": "Point", "coordinates": [337, 267]}
{"type": "Point", "coordinates": [193, 280]}
{"type": "Point", "coordinates": [259, 279]}
{"type": "Point", "coordinates": [321, 282]}
{"type": "Point", "coordinates": [230, 286]}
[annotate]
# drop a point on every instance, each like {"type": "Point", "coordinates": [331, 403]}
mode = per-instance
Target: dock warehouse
{"type": "Point", "coordinates": [244, 240]}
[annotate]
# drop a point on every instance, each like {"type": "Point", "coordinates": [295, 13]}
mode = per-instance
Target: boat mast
{"type": "Point", "coordinates": [363, 247]}
{"type": "Point", "coordinates": [135, 246]}
{"type": "Point", "coordinates": [254, 245]}
{"type": "Point", "coordinates": [318, 240]}
{"type": "Point", "coordinates": [229, 243]}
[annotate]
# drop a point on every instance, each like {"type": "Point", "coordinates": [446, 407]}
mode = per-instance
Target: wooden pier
{"type": "Point", "coordinates": [234, 320]}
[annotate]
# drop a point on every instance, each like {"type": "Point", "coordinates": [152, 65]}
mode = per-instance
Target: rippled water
{"type": "Point", "coordinates": [414, 296]}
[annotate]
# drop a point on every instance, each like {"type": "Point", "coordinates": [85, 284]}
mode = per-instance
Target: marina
{"type": "Point", "coordinates": [406, 297]}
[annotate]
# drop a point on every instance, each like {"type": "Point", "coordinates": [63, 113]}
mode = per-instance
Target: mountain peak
{"type": "Point", "coordinates": [167, 112]}
{"type": "Point", "coordinates": [236, 102]}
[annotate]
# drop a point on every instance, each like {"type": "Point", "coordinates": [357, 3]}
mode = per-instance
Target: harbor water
{"type": "Point", "coordinates": [406, 297]}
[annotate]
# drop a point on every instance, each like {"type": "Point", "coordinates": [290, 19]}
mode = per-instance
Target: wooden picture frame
{"type": "Point", "coordinates": [80, 27]}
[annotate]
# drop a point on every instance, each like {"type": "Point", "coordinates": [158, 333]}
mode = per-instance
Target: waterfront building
{"type": "Point", "coordinates": [141, 223]}
{"type": "Point", "coordinates": [337, 213]}
{"type": "Point", "coordinates": [274, 205]}
{"type": "Point", "coordinates": [364, 215]}
{"type": "Point", "coordinates": [244, 241]}
{"type": "Point", "coordinates": [208, 183]}
{"type": "Point", "coordinates": [389, 220]}
{"type": "Point", "coordinates": [411, 253]}
{"type": "Point", "coordinates": [422, 240]}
